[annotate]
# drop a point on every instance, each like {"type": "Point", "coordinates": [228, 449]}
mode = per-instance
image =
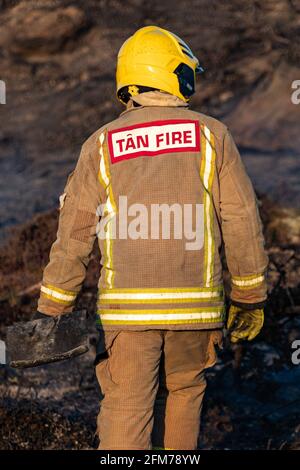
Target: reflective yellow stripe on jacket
{"type": "Point", "coordinates": [160, 295]}
{"type": "Point", "coordinates": [208, 156]}
{"type": "Point", "coordinates": [58, 295]}
{"type": "Point", "coordinates": [160, 316]}
{"type": "Point", "coordinates": [110, 211]}
{"type": "Point", "coordinates": [133, 310]}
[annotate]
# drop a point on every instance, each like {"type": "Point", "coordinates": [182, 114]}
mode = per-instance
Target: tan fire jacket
{"type": "Point", "coordinates": [144, 173]}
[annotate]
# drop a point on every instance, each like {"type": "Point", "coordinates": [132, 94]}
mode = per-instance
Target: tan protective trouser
{"type": "Point", "coordinates": [153, 385]}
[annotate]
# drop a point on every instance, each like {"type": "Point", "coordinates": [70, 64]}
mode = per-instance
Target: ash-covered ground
{"type": "Point", "coordinates": [57, 58]}
{"type": "Point", "coordinates": [252, 401]}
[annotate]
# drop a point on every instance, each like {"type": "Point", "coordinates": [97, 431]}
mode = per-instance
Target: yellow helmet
{"type": "Point", "coordinates": [154, 58]}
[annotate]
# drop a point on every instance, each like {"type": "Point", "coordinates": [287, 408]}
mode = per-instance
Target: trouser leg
{"type": "Point", "coordinates": [182, 385]}
{"type": "Point", "coordinates": [128, 378]}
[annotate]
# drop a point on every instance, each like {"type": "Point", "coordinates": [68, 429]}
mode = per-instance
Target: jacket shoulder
{"type": "Point", "coordinates": [91, 143]}
{"type": "Point", "coordinates": [218, 128]}
{"type": "Point", "coordinates": [92, 139]}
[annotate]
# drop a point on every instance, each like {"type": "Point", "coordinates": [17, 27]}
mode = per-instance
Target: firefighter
{"type": "Point", "coordinates": [160, 310]}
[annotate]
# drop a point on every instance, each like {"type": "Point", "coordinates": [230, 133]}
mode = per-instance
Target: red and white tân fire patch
{"type": "Point", "coordinates": [154, 138]}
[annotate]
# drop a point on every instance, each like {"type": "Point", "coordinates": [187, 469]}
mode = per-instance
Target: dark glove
{"type": "Point", "coordinates": [39, 316]}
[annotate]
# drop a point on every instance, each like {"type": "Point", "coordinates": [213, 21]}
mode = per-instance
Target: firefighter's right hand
{"type": "Point", "coordinates": [244, 324]}
{"type": "Point", "coordinates": [39, 316]}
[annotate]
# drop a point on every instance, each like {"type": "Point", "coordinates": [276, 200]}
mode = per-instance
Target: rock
{"type": "Point", "coordinates": [266, 108]}
{"type": "Point", "coordinates": [31, 32]}
{"type": "Point", "coordinates": [284, 227]}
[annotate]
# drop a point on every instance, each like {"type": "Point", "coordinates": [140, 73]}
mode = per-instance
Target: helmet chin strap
{"type": "Point", "coordinates": [130, 91]}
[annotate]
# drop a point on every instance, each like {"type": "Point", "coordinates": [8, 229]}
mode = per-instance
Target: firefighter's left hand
{"type": "Point", "coordinates": [244, 324]}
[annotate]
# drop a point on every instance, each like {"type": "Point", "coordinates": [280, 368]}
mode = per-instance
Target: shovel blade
{"type": "Point", "coordinates": [47, 340]}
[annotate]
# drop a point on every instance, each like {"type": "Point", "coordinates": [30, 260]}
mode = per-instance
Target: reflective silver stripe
{"type": "Point", "coordinates": [151, 317]}
{"type": "Point", "coordinates": [151, 290]}
{"type": "Point", "coordinates": [161, 295]}
{"type": "Point", "coordinates": [58, 295]}
{"type": "Point", "coordinates": [103, 172]}
{"type": "Point", "coordinates": [247, 282]}
{"type": "Point", "coordinates": [110, 208]}
{"type": "Point", "coordinates": [207, 173]}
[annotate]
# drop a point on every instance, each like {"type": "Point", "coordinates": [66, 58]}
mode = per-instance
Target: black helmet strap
{"type": "Point", "coordinates": [124, 93]}
{"type": "Point", "coordinates": [186, 79]}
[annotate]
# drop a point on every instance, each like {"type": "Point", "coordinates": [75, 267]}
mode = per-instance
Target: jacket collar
{"type": "Point", "coordinates": [155, 98]}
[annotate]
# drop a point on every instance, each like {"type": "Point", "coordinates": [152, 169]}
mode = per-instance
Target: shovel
{"type": "Point", "coordinates": [51, 339]}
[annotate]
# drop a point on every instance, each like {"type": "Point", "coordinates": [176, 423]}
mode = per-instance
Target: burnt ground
{"type": "Point", "coordinates": [252, 401]}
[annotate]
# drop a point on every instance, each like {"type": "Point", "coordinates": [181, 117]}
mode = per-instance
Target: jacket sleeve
{"type": "Point", "coordinates": [69, 255]}
{"type": "Point", "coordinates": [241, 230]}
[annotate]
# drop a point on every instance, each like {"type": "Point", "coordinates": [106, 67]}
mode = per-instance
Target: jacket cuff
{"type": "Point", "coordinates": [247, 306]}
{"type": "Point", "coordinates": [55, 301]}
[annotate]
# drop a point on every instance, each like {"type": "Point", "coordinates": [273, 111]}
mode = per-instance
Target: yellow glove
{"type": "Point", "coordinates": [244, 324]}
